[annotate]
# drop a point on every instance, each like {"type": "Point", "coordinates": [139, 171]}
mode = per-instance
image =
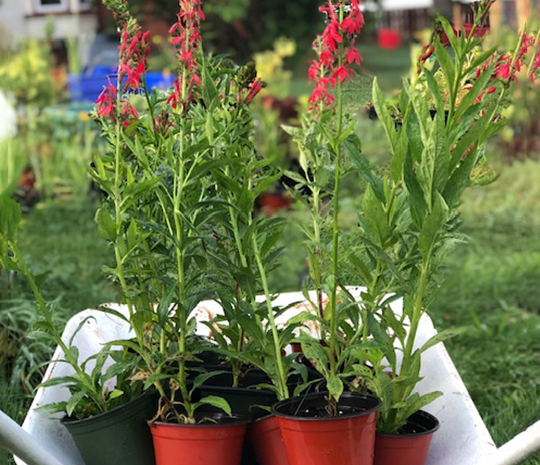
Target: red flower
{"type": "Point", "coordinates": [504, 71]}
{"type": "Point", "coordinates": [336, 52]}
{"type": "Point", "coordinates": [314, 71]}
{"type": "Point", "coordinates": [107, 102]}
{"type": "Point", "coordinates": [256, 87]}
{"type": "Point", "coordinates": [332, 37]}
{"type": "Point", "coordinates": [134, 51]}
{"type": "Point", "coordinates": [186, 37]}
{"type": "Point", "coordinates": [353, 56]}
{"type": "Point", "coordinates": [342, 73]}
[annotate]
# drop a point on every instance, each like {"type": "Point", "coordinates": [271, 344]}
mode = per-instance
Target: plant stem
{"type": "Point", "coordinates": [283, 390]}
{"type": "Point", "coordinates": [335, 226]}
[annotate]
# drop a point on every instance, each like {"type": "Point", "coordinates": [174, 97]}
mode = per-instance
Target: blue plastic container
{"type": "Point", "coordinates": [87, 88]}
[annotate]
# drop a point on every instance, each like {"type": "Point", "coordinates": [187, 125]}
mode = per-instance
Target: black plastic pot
{"type": "Point", "coordinates": [410, 445]}
{"type": "Point", "coordinates": [118, 437]}
{"type": "Point", "coordinates": [252, 377]}
{"type": "Point", "coordinates": [243, 401]}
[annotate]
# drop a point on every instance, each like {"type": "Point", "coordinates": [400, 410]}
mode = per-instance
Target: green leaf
{"type": "Point", "coordinates": [450, 33]}
{"type": "Point", "coordinates": [73, 402]}
{"type": "Point", "coordinates": [106, 224]}
{"type": "Point", "coordinates": [382, 338]}
{"type": "Point", "coordinates": [335, 387]}
{"type": "Point", "coordinates": [470, 98]}
{"type": "Point", "coordinates": [116, 394]}
{"type": "Point", "coordinates": [316, 355]}
{"type": "Point", "coordinates": [217, 402]}
{"type": "Point", "coordinates": [203, 377]}
{"type": "Point", "coordinates": [10, 218]}
{"type": "Point", "coordinates": [435, 90]}
{"type": "Point", "coordinates": [433, 226]}
{"type": "Point", "coordinates": [447, 64]}
{"type": "Point", "coordinates": [381, 108]}
{"type": "Point", "coordinates": [60, 381]}
{"type": "Point", "coordinates": [441, 337]}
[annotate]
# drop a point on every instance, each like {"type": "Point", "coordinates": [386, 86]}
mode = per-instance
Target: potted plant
{"type": "Point", "coordinates": [103, 403]}
{"type": "Point", "coordinates": [161, 203]}
{"type": "Point", "coordinates": [409, 226]}
{"type": "Point", "coordinates": [243, 253]}
{"type": "Point", "coordinates": [334, 426]}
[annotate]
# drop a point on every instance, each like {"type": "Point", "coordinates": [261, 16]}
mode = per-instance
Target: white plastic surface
{"type": "Point", "coordinates": [462, 440]}
{"type": "Point", "coordinates": [400, 5]}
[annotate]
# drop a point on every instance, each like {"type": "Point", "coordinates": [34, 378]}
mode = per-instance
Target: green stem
{"type": "Point", "coordinates": [335, 225]}
{"type": "Point", "coordinates": [283, 390]}
{"type": "Point", "coordinates": [180, 263]}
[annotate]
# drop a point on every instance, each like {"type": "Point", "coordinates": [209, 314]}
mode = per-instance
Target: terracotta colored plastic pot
{"type": "Point", "coordinates": [389, 39]}
{"type": "Point", "coordinates": [411, 445]}
{"type": "Point", "coordinates": [202, 444]}
{"type": "Point", "coordinates": [311, 437]}
{"type": "Point", "coordinates": [118, 437]}
{"type": "Point", "coordinates": [267, 441]}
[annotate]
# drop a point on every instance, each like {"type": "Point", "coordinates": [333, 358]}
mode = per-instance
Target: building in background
{"type": "Point", "coordinates": [33, 18]}
{"type": "Point", "coordinates": [411, 16]}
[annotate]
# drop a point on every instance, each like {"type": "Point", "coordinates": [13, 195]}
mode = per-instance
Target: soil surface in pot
{"type": "Point", "coordinates": [315, 406]}
{"type": "Point", "coordinates": [418, 424]}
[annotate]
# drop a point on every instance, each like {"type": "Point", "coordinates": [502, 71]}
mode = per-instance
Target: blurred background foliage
{"type": "Point", "coordinates": [490, 285]}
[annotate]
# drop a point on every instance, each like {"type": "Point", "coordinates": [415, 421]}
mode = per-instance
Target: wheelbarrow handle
{"type": "Point", "coordinates": [514, 452]}
{"type": "Point", "coordinates": [22, 445]}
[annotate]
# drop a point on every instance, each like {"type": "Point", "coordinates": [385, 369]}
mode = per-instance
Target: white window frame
{"type": "Point", "coordinates": [40, 8]}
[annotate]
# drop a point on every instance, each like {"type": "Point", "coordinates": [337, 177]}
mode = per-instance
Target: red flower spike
{"type": "Point", "coordinates": [186, 37]}
{"type": "Point", "coordinates": [336, 41]}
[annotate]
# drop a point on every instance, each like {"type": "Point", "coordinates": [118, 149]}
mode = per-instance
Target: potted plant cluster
{"type": "Point", "coordinates": [181, 179]}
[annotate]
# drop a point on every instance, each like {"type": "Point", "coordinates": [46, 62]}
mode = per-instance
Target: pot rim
{"type": "Point", "coordinates": [241, 421]}
{"type": "Point", "coordinates": [250, 390]}
{"type": "Point", "coordinates": [375, 408]}
{"type": "Point", "coordinates": [266, 417]}
{"type": "Point", "coordinates": [415, 435]}
{"type": "Point", "coordinates": [111, 413]}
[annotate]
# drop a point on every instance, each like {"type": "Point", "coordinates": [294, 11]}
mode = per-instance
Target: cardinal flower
{"type": "Point", "coordinates": [107, 102]}
{"type": "Point", "coordinates": [336, 52]}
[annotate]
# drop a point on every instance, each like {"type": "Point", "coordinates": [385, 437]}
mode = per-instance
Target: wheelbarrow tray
{"type": "Point", "coordinates": [462, 439]}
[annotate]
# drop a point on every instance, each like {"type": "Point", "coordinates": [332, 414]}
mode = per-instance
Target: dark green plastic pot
{"type": "Point", "coordinates": [118, 437]}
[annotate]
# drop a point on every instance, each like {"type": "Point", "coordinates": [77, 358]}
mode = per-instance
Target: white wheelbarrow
{"type": "Point", "coordinates": [463, 438]}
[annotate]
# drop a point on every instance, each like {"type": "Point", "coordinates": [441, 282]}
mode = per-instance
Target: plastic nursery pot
{"type": "Point", "coordinates": [242, 400]}
{"type": "Point", "coordinates": [480, 31]}
{"type": "Point", "coordinates": [218, 442]}
{"type": "Point", "coordinates": [266, 440]}
{"type": "Point", "coordinates": [389, 39]}
{"type": "Point", "coordinates": [118, 437]}
{"type": "Point", "coordinates": [411, 445]}
{"type": "Point", "coordinates": [312, 437]}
